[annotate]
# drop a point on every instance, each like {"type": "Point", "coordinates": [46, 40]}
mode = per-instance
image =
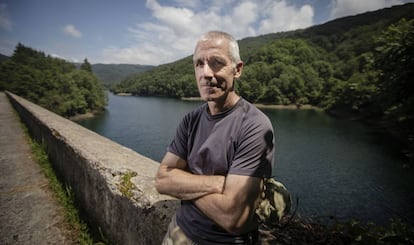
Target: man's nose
{"type": "Point", "coordinates": [207, 71]}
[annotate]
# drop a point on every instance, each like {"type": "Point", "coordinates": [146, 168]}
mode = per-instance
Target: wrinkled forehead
{"type": "Point", "coordinates": [217, 45]}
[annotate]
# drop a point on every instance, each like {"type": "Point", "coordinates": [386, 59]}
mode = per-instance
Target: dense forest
{"type": "Point", "coordinates": [51, 82]}
{"type": "Point", "coordinates": [3, 57]}
{"type": "Point", "coordinates": [110, 74]}
{"type": "Point", "coordinates": [359, 66]}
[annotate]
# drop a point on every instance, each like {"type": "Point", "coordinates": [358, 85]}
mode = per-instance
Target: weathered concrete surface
{"type": "Point", "coordinates": [93, 166]}
{"type": "Point", "coordinates": [29, 213]}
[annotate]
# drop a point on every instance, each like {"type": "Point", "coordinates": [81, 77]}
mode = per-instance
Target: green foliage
{"type": "Point", "coordinates": [126, 186]}
{"type": "Point", "coordinates": [397, 232]}
{"type": "Point", "coordinates": [285, 71]}
{"type": "Point", "coordinates": [300, 231]}
{"type": "Point", "coordinates": [172, 80]}
{"type": "Point", "coordinates": [394, 59]}
{"type": "Point", "coordinates": [52, 83]}
{"type": "Point", "coordinates": [86, 66]}
{"type": "Point", "coordinates": [3, 57]}
{"type": "Point", "coordinates": [110, 74]}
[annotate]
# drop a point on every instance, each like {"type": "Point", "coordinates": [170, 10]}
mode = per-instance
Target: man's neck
{"type": "Point", "coordinates": [220, 106]}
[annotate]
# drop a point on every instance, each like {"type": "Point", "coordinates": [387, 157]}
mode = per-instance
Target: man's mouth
{"type": "Point", "coordinates": [210, 84]}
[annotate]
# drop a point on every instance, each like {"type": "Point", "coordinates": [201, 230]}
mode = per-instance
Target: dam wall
{"type": "Point", "coordinates": [112, 184]}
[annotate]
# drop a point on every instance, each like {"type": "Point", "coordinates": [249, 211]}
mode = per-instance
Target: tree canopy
{"type": "Point", "coordinates": [51, 82]}
{"type": "Point", "coordinates": [394, 60]}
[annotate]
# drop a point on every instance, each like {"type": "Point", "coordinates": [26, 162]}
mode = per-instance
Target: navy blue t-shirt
{"type": "Point", "coordinates": [239, 141]}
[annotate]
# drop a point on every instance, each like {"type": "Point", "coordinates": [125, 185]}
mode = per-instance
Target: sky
{"type": "Point", "coordinates": [155, 32]}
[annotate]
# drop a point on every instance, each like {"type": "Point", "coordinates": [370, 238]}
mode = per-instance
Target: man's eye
{"type": "Point", "coordinates": [216, 63]}
{"type": "Point", "coordinates": [199, 63]}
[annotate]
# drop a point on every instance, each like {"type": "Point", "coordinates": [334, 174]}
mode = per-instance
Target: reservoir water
{"type": "Point", "coordinates": [337, 169]}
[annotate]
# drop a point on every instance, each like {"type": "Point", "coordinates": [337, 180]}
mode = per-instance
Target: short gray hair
{"type": "Point", "coordinates": [233, 46]}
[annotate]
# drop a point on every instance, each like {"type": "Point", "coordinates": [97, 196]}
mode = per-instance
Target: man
{"type": "Point", "coordinates": [219, 156]}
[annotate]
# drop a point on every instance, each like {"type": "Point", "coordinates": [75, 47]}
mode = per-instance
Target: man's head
{"type": "Point", "coordinates": [233, 47]}
{"type": "Point", "coordinates": [217, 64]}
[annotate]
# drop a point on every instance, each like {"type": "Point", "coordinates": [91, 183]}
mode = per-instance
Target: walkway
{"type": "Point", "coordinates": [29, 214]}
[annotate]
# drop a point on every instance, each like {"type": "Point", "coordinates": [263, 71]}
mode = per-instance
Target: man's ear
{"type": "Point", "coordinates": [238, 69]}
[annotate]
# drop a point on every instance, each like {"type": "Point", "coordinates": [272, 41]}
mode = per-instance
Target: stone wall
{"type": "Point", "coordinates": [95, 168]}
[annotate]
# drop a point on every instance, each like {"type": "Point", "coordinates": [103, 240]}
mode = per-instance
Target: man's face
{"type": "Point", "coordinates": [214, 70]}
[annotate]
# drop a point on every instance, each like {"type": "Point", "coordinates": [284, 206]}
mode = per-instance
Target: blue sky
{"type": "Point", "coordinates": [155, 32]}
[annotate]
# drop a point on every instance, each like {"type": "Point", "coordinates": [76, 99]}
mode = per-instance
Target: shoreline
{"type": "Point", "coordinates": [268, 106]}
{"type": "Point", "coordinates": [78, 117]}
{"type": "Point", "coordinates": [87, 115]}
{"type": "Point", "coordinates": [191, 99]}
{"type": "Point", "coordinates": [288, 107]}
{"type": "Point", "coordinates": [123, 94]}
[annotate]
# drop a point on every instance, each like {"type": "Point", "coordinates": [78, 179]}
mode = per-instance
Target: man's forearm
{"type": "Point", "coordinates": [186, 186]}
{"type": "Point", "coordinates": [231, 218]}
{"type": "Point", "coordinates": [234, 209]}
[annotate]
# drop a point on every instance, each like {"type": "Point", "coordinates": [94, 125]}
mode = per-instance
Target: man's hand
{"type": "Point", "coordinates": [173, 180]}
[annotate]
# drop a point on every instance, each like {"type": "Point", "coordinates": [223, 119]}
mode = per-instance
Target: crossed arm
{"type": "Point", "coordinates": [228, 200]}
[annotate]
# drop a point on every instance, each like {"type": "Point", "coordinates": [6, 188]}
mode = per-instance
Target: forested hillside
{"type": "Point", "coordinates": [110, 74]}
{"type": "Point", "coordinates": [360, 65]}
{"type": "Point", "coordinates": [51, 82]}
{"type": "Point", "coordinates": [3, 57]}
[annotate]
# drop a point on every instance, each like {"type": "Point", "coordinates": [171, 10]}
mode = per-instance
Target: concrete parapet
{"type": "Point", "coordinates": [97, 170]}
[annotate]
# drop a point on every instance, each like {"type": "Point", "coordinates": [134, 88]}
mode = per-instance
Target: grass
{"type": "Point", "coordinates": [64, 196]}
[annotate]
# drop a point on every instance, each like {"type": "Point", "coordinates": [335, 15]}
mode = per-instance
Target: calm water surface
{"type": "Point", "coordinates": [333, 167]}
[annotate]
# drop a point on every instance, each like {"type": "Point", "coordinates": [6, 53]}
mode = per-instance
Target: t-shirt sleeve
{"type": "Point", "coordinates": [255, 152]}
{"type": "Point", "coordinates": [178, 145]}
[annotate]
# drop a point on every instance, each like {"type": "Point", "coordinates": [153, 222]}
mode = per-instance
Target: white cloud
{"type": "Point", "coordinates": [188, 3]}
{"type": "Point", "coordinates": [135, 55]}
{"type": "Point", "coordinates": [176, 28]}
{"type": "Point", "coordinates": [282, 17]}
{"type": "Point", "coordinates": [69, 59]}
{"type": "Point", "coordinates": [72, 31]}
{"type": "Point", "coordinates": [7, 46]}
{"type": "Point", "coordinates": [57, 56]}
{"type": "Point", "coordinates": [341, 8]}
{"type": "Point", "coordinates": [178, 19]}
{"type": "Point", "coordinates": [5, 22]}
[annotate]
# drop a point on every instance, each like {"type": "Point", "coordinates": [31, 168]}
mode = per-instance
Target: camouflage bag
{"type": "Point", "coordinates": [275, 202]}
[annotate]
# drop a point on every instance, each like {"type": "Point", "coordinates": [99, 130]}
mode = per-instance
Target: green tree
{"type": "Point", "coordinates": [52, 83]}
{"type": "Point", "coordinates": [86, 66]}
{"type": "Point", "coordinates": [394, 58]}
